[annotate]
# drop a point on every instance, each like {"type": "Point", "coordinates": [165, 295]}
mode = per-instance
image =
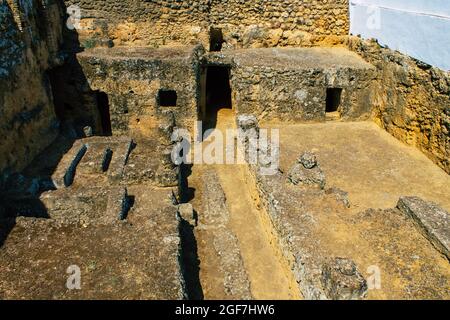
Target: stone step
{"type": "Point", "coordinates": [431, 220]}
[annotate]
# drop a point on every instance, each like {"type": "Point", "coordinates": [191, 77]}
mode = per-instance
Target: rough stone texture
{"type": "Point", "coordinates": [411, 100]}
{"type": "Point", "coordinates": [307, 172]}
{"type": "Point", "coordinates": [247, 122]}
{"type": "Point", "coordinates": [214, 218]}
{"type": "Point", "coordinates": [255, 23]}
{"type": "Point", "coordinates": [343, 281]}
{"type": "Point", "coordinates": [432, 220]}
{"type": "Point", "coordinates": [28, 48]}
{"type": "Point", "coordinates": [341, 196]}
{"type": "Point", "coordinates": [118, 204]}
{"type": "Point", "coordinates": [66, 169]}
{"type": "Point", "coordinates": [312, 227]}
{"type": "Point", "coordinates": [308, 160]}
{"type": "Point", "coordinates": [130, 163]}
{"type": "Point", "coordinates": [186, 212]}
{"type": "Point", "coordinates": [120, 159]}
{"type": "Point", "coordinates": [123, 233]}
{"type": "Point", "coordinates": [291, 84]}
{"type": "Point", "coordinates": [137, 259]}
{"type": "Point", "coordinates": [132, 79]}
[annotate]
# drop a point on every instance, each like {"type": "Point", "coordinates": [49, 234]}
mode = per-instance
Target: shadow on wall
{"type": "Point", "coordinates": [20, 192]}
{"type": "Point", "coordinates": [218, 94]}
{"type": "Point", "coordinates": [76, 107]}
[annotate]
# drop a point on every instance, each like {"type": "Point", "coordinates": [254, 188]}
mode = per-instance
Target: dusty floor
{"type": "Point", "coordinates": [364, 160]}
{"type": "Point", "coordinates": [137, 258]}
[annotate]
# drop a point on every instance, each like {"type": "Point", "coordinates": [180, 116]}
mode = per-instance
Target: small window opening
{"type": "Point", "coordinates": [333, 99]}
{"type": "Point", "coordinates": [216, 39]}
{"type": "Point", "coordinates": [167, 98]}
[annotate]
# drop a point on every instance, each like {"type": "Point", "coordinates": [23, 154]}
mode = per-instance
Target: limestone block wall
{"type": "Point", "coordinates": [256, 23]}
{"type": "Point", "coordinates": [280, 84]}
{"type": "Point", "coordinates": [28, 49]}
{"type": "Point", "coordinates": [132, 78]}
{"type": "Point", "coordinates": [411, 100]}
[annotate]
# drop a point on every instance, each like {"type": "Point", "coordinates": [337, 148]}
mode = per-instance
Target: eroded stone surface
{"type": "Point", "coordinates": [432, 220]}
{"type": "Point", "coordinates": [314, 226]}
{"type": "Point", "coordinates": [307, 172]}
{"type": "Point", "coordinates": [214, 219]}
{"type": "Point", "coordinates": [116, 260]}
{"type": "Point", "coordinates": [343, 281]}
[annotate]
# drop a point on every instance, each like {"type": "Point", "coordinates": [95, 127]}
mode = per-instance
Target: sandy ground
{"type": "Point", "coordinates": [376, 170]}
{"type": "Point", "coordinates": [364, 160]}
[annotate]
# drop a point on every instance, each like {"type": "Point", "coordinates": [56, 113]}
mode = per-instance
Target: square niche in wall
{"type": "Point", "coordinates": [167, 98]}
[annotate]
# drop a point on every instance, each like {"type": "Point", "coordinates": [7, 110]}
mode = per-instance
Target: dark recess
{"type": "Point", "coordinates": [167, 98]}
{"type": "Point", "coordinates": [103, 109]}
{"type": "Point", "coordinates": [333, 99]}
{"type": "Point", "coordinates": [215, 39]}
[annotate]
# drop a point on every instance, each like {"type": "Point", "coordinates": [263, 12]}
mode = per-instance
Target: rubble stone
{"type": "Point", "coordinates": [342, 280]}
{"type": "Point", "coordinates": [307, 172]}
{"type": "Point", "coordinates": [308, 160]}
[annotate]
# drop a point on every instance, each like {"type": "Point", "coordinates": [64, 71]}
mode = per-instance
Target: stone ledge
{"type": "Point", "coordinates": [431, 219]}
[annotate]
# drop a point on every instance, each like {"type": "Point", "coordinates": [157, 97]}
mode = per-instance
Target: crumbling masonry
{"type": "Point", "coordinates": [87, 117]}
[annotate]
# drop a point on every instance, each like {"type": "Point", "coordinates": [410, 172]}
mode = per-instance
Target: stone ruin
{"type": "Point", "coordinates": [87, 115]}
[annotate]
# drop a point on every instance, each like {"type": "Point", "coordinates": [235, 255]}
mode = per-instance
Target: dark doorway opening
{"type": "Point", "coordinates": [333, 99]}
{"type": "Point", "coordinates": [215, 39]}
{"type": "Point", "coordinates": [167, 98]}
{"type": "Point", "coordinates": [218, 89]}
{"type": "Point", "coordinates": [57, 87]}
{"type": "Point", "coordinates": [218, 93]}
{"type": "Point", "coordinates": [103, 109]}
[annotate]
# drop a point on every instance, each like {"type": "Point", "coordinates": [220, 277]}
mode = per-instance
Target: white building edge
{"type": "Point", "coordinates": [418, 28]}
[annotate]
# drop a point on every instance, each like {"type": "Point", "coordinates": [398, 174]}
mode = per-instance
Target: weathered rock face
{"type": "Point", "coordinates": [343, 281]}
{"type": "Point", "coordinates": [291, 84]}
{"type": "Point", "coordinates": [27, 49]}
{"type": "Point", "coordinates": [432, 221]}
{"type": "Point", "coordinates": [255, 23]}
{"type": "Point", "coordinates": [307, 172]}
{"type": "Point", "coordinates": [411, 100]}
{"type": "Point", "coordinates": [136, 81]}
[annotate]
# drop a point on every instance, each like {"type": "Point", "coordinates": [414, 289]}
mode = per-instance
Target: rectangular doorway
{"type": "Point", "coordinates": [216, 93]}
{"type": "Point", "coordinates": [333, 103]}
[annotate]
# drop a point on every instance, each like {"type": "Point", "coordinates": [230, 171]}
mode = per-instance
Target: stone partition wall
{"type": "Point", "coordinates": [256, 23]}
{"type": "Point", "coordinates": [411, 100]}
{"type": "Point", "coordinates": [136, 81]}
{"type": "Point", "coordinates": [290, 84]}
{"type": "Point", "coordinates": [29, 39]}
